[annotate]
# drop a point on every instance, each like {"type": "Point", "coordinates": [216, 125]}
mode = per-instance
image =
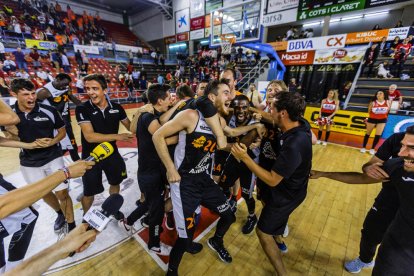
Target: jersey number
{"type": "Point", "coordinates": [211, 146]}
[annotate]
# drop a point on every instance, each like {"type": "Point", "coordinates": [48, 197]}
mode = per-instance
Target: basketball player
{"type": "Point", "coordinates": [201, 87]}
{"type": "Point", "coordinates": [191, 184]}
{"type": "Point", "coordinates": [396, 253]}
{"type": "Point", "coordinates": [57, 94]}
{"type": "Point", "coordinates": [287, 181]}
{"type": "Point", "coordinates": [99, 120]}
{"type": "Point", "coordinates": [41, 121]}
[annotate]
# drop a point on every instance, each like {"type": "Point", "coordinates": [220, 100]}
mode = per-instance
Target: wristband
{"type": "Point", "coordinates": [66, 171]}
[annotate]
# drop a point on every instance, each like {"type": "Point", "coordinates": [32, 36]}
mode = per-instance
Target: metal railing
{"type": "Point", "coordinates": [254, 73]}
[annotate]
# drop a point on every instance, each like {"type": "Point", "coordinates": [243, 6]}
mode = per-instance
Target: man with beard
{"type": "Point", "coordinates": [396, 253]}
{"type": "Point", "coordinates": [287, 181]}
{"type": "Point", "coordinates": [189, 178]}
{"type": "Point", "coordinates": [233, 169]}
{"type": "Point", "coordinates": [57, 94]}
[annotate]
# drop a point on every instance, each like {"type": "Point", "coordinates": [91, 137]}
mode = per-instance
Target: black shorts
{"type": "Point", "coordinates": [192, 191]}
{"type": "Point", "coordinates": [234, 170]}
{"type": "Point", "coordinates": [273, 218]}
{"type": "Point", "coordinates": [115, 170]}
{"type": "Point", "coordinates": [326, 115]}
{"type": "Point", "coordinates": [376, 121]}
{"type": "Point", "coordinates": [219, 161]}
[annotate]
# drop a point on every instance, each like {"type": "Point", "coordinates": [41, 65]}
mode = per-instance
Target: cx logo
{"type": "Point", "coordinates": [335, 41]}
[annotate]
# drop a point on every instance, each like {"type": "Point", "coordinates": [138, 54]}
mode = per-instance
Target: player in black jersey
{"type": "Point", "coordinates": [57, 94]}
{"type": "Point", "coordinates": [287, 181]}
{"type": "Point", "coordinates": [396, 253]}
{"type": "Point", "coordinates": [191, 184]}
{"type": "Point", "coordinates": [233, 169]}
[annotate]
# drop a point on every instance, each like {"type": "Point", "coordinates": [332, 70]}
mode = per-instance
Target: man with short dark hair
{"type": "Point", "coordinates": [370, 57]}
{"type": "Point", "coordinates": [287, 181]}
{"type": "Point", "coordinates": [39, 121]}
{"type": "Point", "coordinates": [99, 120]}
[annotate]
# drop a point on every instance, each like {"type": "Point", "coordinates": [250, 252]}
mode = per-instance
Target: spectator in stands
{"type": "Point", "coordinates": [48, 33]}
{"type": "Point", "coordinates": [78, 58]}
{"type": "Point", "coordinates": [34, 55]}
{"type": "Point", "coordinates": [22, 74]}
{"type": "Point", "coordinates": [162, 62]}
{"type": "Point", "coordinates": [42, 20]}
{"type": "Point", "coordinates": [376, 27]}
{"type": "Point", "coordinates": [143, 82]}
{"type": "Point", "coordinates": [40, 73]}
{"type": "Point", "coordinates": [65, 63]}
{"type": "Point", "coordinates": [85, 60]}
{"type": "Point", "coordinates": [395, 95]}
{"type": "Point", "coordinates": [402, 51]}
{"type": "Point", "coordinates": [257, 57]}
{"type": "Point", "coordinates": [136, 74]}
{"type": "Point", "coordinates": [139, 57]}
{"type": "Point", "coordinates": [3, 22]}
{"type": "Point", "coordinates": [9, 65]}
{"type": "Point", "coordinates": [131, 57]}
{"type": "Point", "coordinates": [254, 96]}
{"type": "Point", "coordinates": [74, 39]}
{"type": "Point", "coordinates": [154, 57]}
{"type": "Point", "coordinates": [4, 89]}
{"type": "Point", "coordinates": [393, 45]}
{"type": "Point", "coordinates": [382, 46]}
{"type": "Point", "coordinates": [240, 54]}
{"type": "Point", "coordinates": [129, 82]}
{"type": "Point", "coordinates": [8, 10]}
{"type": "Point", "coordinates": [83, 72]}
{"type": "Point", "coordinates": [2, 52]}
{"type": "Point", "coordinates": [370, 57]}
{"type": "Point", "coordinates": [160, 79]}
{"type": "Point", "coordinates": [20, 59]}
{"type": "Point", "coordinates": [399, 24]}
{"type": "Point", "coordinates": [16, 27]}
{"type": "Point", "coordinates": [411, 41]}
{"type": "Point", "coordinates": [249, 56]}
{"type": "Point", "coordinates": [239, 75]}
{"type": "Point", "coordinates": [27, 30]}
{"type": "Point", "coordinates": [293, 86]}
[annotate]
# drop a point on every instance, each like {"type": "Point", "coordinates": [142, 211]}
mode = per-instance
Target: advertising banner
{"type": "Point", "coordinates": [40, 44]}
{"type": "Point", "coordinates": [207, 32]}
{"type": "Point", "coordinates": [170, 39]}
{"type": "Point", "coordinates": [87, 48]}
{"type": "Point", "coordinates": [340, 56]}
{"type": "Point", "coordinates": [366, 37]}
{"type": "Point", "coordinates": [278, 18]}
{"type": "Point", "coordinates": [182, 21]}
{"type": "Point", "coordinates": [397, 123]}
{"type": "Point", "coordinates": [377, 3]}
{"type": "Point", "coordinates": [208, 21]}
{"type": "Point", "coordinates": [261, 87]}
{"type": "Point", "coordinates": [280, 5]}
{"type": "Point", "coordinates": [315, 43]}
{"type": "Point", "coordinates": [279, 45]}
{"type": "Point", "coordinates": [213, 5]}
{"type": "Point", "coordinates": [197, 23]}
{"type": "Point", "coordinates": [311, 8]}
{"type": "Point", "coordinates": [297, 58]}
{"type": "Point", "coordinates": [401, 32]}
{"type": "Point", "coordinates": [197, 34]}
{"type": "Point", "coordinates": [197, 8]}
{"type": "Point", "coordinates": [182, 37]}
{"type": "Point", "coordinates": [350, 122]}
{"type": "Point", "coordinates": [126, 48]}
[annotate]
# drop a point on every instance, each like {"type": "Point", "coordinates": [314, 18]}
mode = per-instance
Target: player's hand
{"type": "Point", "coordinates": [239, 151]}
{"type": "Point", "coordinates": [44, 142]}
{"type": "Point", "coordinates": [375, 171]}
{"type": "Point", "coordinates": [126, 137]}
{"type": "Point", "coordinates": [261, 130]}
{"type": "Point", "coordinates": [173, 176]}
{"type": "Point", "coordinates": [77, 240]}
{"type": "Point", "coordinates": [79, 168]}
{"type": "Point", "coordinates": [257, 116]}
{"type": "Point", "coordinates": [315, 174]}
{"type": "Point", "coordinates": [221, 142]}
{"type": "Point", "coordinates": [255, 144]}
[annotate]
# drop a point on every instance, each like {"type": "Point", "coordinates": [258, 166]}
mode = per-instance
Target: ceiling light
{"type": "Point", "coordinates": [312, 24]}
{"type": "Point", "coordinates": [351, 17]}
{"type": "Point", "coordinates": [376, 13]}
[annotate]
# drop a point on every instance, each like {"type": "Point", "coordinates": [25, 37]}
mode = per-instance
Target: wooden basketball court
{"type": "Point", "coordinates": [324, 230]}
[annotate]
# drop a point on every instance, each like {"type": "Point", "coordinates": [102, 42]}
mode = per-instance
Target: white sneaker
{"type": "Point", "coordinates": [363, 150]}
{"type": "Point", "coordinates": [324, 143]}
{"type": "Point", "coordinates": [163, 250]}
{"type": "Point", "coordinates": [286, 232]}
{"type": "Point", "coordinates": [372, 151]}
{"type": "Point", "coordinates": [318, 142]}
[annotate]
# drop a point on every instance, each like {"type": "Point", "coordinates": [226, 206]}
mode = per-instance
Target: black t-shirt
{"type": "Point", "coordinates": [293, 163]}
{"type": "Point", "coordinates": [148, 160]}
{"type": "Point", "coordinates": [103, 121]}
{"type": "Point", "coordinates": [188, 104]}
{"type": "Point", "coordinates": [41, 122]}
{"type": "Point", "coordinates": [404, 182]}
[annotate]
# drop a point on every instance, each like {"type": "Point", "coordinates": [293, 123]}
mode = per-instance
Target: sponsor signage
{"type": "Point", "coordinates": [197, 23]}
{"type": "Point", "coordinates": [279, 45]}
{"type": "Point", "coordinates": [87, 48]}
{"type": "Point", "coordinates": [182, 21]}
{"type": "Point", "coordinates": [170, 39]}
{"type": "Point", "coordinates": [280, 5]}
{"type": "Point", "coordinates": [207, 32]}
{"type": "Point", "coordinates": [197, 34]}
{"type": "Point", "coordinates": [340, 56]}
{"type": "Point", "coordinates": [126, 48]}
{"type": "Point", "coordinates": [349, 122]}
{"type": "Point", "coordinates": [401, 32]}
{"type": "Point", "coordinates": [277, 18]}
{"type": "Point", "coordinates": [315, 43]}
{"type": "Point", "coordinates": [182, 37]}
{"type": "Point", "coordinates": [261, 87]}
{"type": "Point", "coordinates": [396, 124]}
{"type": "Point", "coordinates": [197, 8]}
{"type": "Point", "coordinates": [366, 37]}
{"type": "Point", "coordinates": [40, 44]}
{"type": "Point", "coordinates": [297, 58]}
{"type": "Point", "coordinates": [311, 9]}
{"type": "Point", "coordinates": [208, 21]}
{"type": "Point", "coordinates": [377, 3]}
